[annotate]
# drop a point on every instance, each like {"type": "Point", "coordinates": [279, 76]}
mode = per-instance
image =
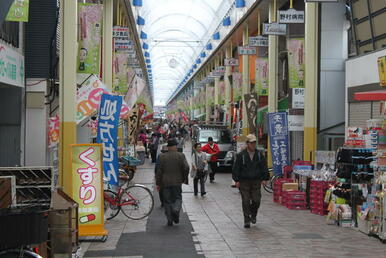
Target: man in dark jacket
{"type": "Point", "coordinates": [250, 172]}
{"type": "Point", "coordinates": [171, 173]}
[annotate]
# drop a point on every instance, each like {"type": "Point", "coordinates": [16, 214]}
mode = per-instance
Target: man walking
{"type": "Point", "coordinates": [212, 149]}
{"type": "Point", "coordinates": [250, 171]}
{"type": "Point", "coordinates": [171, 173]}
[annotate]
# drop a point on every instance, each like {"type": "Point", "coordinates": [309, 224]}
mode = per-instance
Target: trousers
{"type": "Point", "coordinates": [200, 177]}
{"type": "Point", "coordinates": [213, 168]}
{"type": "Point", "coordinates": [172, 199]}
{"type": "Point", "coordinates": [251, 196]}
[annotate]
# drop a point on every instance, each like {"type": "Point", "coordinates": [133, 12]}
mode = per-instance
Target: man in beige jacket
{"type": "Point", "coordinates": [171, 173]}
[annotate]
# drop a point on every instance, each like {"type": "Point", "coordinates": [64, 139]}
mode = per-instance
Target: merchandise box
{"type": "Point", "coordinates": [290, 186]}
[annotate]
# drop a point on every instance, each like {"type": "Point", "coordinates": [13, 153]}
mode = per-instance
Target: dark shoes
{"type": "Point", "coordinates": [195, 194]}
{"type": "Point", "coordinates": [176, 219]}
{"type": "Point", "coordinates": [170, 223]}
{"type": "Point", "coordinates": [203, 194]}
{"type": "Point", "coordinates": [253, 220]}
{"type": "Point", "coordinates": [211, 181]}
{"type": "Point", "coordinates": [247, 225]}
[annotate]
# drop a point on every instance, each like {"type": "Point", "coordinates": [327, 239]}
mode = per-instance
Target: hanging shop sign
{"type": "Point", "coordinates": [298, 98]}
{"type": "Point", "coordinates": [87, 187]}
{"type": "Point", "coordinates": [295, 123]}
{"type": "Point", "coordinates": [247, 50]}
{"type": "Point", "coordinates": [133, 125]}
{"type": "Point", "coordinates": [124, 45]}
{"type": "Point", "coordinates": [90, 27]}
{"type": "Point", "coordinates": [261, 76]}
{"type": "Point", "coordinates": [108, 135]}
{"type": "Point", "coordinates": [231, 62]}
{"type": "Point", "coordinates": [382, 70]}
{"type": "Point", "coordinates": [251, 107]}
{"type": "Point", "coordinates": [18, 11]}
{"type": "Point", "coordinates": [219, 71]}
{"type": "Point", "coordinates": [296, 65]}
{"type": "Point", "coordinates": [120, 81]}
{"type": "Point", "coordinates": [279, 140]}
{"type": "Point", "coordinates": [274, 29]}
{"type": "Point", "coordinates": [121, 32]}
{"type": "Point", "coordinates": [291, 16]}
{"type": "Point", "coordinates": [11, 66]}
{"type": "Point", "coordinates": [258, 41]}
{"type": "Point", "coordinates": [237, 86]}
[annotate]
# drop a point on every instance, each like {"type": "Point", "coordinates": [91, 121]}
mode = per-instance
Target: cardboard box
{"type": "Point", "coordinates": [290, 186]}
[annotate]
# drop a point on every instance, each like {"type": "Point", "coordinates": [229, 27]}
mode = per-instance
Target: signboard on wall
{"type": "Point", "coordinates": [258, 41]}
{"type": "Point", "coordinates": [298, 98]}
{"type": "Point", "coordinates": [291, 16]}
{"type": "Point", "coordinates": [87, 187]}
{"type": "Point", "coordinates": [274, 29]}
{"type": "Point", "coordinates": [295, 123]}
{"type": "Point", "coordinates": [11, 66]}
{"type": "Point", "coordinates": [247, 50]}
{"type": "Point", "coordinates": [231, 62]}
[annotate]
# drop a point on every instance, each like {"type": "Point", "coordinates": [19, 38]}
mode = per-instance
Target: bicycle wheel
{"type": "Point", "coordinates": [136, 202]}
{"type": "Point", "coordinates": [19, 253]}
{"type": "Point", "coordinates": [123, 177]}
{"type": "Point", "coordinates": [111, 209]}
{"type": "Point", "coordinates": [267, 188]}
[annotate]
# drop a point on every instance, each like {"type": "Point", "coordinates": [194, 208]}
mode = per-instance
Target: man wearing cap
{"type": "Point", "coordinates": [212, 149]}
{"type": "Point", "coordinates": [172, 172]}
{"type": "Point", "coordinates": [250, 171]}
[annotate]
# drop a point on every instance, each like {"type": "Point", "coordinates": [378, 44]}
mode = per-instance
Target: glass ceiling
{"type": "Point", "coordinates": [177, 32]}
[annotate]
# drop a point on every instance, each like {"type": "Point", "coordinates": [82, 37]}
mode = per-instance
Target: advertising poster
{"type": "Point", "coordinates": [19, 11]}
{"type": "Point", "coordinates": [261, 76]}
{"type": "Point", "coordinates": [87, 187]}
{"type": "Point", "coordinates": [237, 86]}
{"type": "Point", "coordinates": [53, 131]}
{"type": "Point", "coordinates": [133, 125]}
{"type": "Point", "coordinates": [108, 135]}
{"type": "Point", "coordinates": [90, 32]}
{"type": "Point", "coordinates": [298, 98]}
{"type": "Point", "coordinates": [296, 67]}
{"type": "Point", "coordinates": [11, 66]}
{"type": "Point", "coordinates": [252, 105]}
{"type": "Point", "coordinates": [279, 140]}
{"type": "Point", "coordinates": [382, 70]}
{"type": "Point", "coordinates": [120, 80]}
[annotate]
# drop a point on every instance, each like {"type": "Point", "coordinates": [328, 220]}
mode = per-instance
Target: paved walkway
{"type": "Point", "coordinates": [212, 226]}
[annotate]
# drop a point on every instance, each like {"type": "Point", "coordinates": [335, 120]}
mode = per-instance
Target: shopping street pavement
{"type": "Point", "coordinates": [212, 227]}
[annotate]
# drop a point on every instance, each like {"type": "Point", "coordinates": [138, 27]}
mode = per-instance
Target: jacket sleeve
{"type": "Point", "coordinates": [264, 167]}
{"type": "Point", "coordinates": [216, 149]}
{"type": "Point", "coordinates": [236, 168]}
{"type": "Point", "coordinates": [158, 174]}
{"type": "Point", "coordinates": [205, 148]}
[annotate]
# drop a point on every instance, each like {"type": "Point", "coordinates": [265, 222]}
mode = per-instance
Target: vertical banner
{"type": "Point", "coordinates": [87, 187]}
{"type": "Point", "coordinates": [237, 86]}
{"type": "Point", "coordinates": [53, 131]}
{"type": "Point", "coordinates": [18, 11]}
{"type": "Point", "coordinates": [261, 76]}
{"type": "Point", "coordinates": [279, 140]}
{"type": "Point", "coordinates": [382, 70]}
{"type": "Point", "coordinates": [108, 135]}
{"type": "Point", "coordinates": [296, 66]}
{"type": "Point", "coordinates": [222, 92]}
{"type": "Point", "coordinates": [90, 32]}
{"type": "Point", "coordinates": [120, 69]}
{"type": "Point", "coordinates": [133, 125]}
{"type": "Point", "coordinates": [252, 105]}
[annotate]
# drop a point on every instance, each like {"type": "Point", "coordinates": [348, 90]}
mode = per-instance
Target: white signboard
{"type": "Point", "coordinates": [275, 29]}
{"type": "Point", "coordinates": [291, 16]}
{"type": "Point", "coordinates": [247, 50]}
{"type": "Point", "coordinates": [11, 66]}
{"type": "Point", "coordinates": [298, 98]}
{"type": "Point", "coordinates": [295, 123]}
{"type": "Point", "coordinates": [231, 62]}
{"type": "Point", "coordinates": [120, 32]}
{"type": "Point", "coordinates": [259, 41]}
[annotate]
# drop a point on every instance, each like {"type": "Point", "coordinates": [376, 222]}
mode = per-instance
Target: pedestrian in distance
{"type": "Point", "coordinates": [212, 149]}
{"type": "Point", "coordinates": [250, 171]}
{"type": "Point", "coordinates": [172, 172]}
{"type": "Point", "coordinates": [199, 169]}
{"type": "Point", "coordinates": [180, 143]}
{"type": "Point", "coordinates": [153, 147]}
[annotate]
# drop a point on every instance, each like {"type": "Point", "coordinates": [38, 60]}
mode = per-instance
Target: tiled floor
{"type": "Point", "coordinates": [218, 229]}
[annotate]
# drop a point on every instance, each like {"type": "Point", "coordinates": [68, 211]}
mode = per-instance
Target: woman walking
{"type": "Point", "coordinates": [199, 169]}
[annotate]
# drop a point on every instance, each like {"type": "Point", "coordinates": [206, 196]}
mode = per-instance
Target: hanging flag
{"type": "Point", "coordinates": [19, 11]}
{"type": "Point", "coordinates": [261, 76]}
{"type": "Point", "coordinates": [108, 135]}
{"type": "Point", "coordinates": [209, 46]}
{"type": "Point", "coordinates": [227, 21]}
{"type": "Point", "coordinates": [296, 65]}
{"type": "Point", "coordinates": [216, 36]}
{"type": "Point", "coordinates": [251, 107]}
{"type": "Point", "coordinates": [137, 3]}
{"type": "Point", "coordinates": [140, 20]}
{"type": "Point", "coordinates": [240, 3]}
{"type": "Point", "coordinates": [143, 35]}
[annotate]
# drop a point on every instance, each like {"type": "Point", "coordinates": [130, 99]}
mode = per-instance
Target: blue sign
{"type": "Point", "coordinates": [279, 141]}
{"type": "Point", "coordinates": [109, 112]}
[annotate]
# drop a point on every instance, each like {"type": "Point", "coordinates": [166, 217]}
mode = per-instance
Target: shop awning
{"type": "Point", "coordinates": [378, 95]}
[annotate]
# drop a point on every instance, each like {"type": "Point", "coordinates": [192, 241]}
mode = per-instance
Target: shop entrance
{"type": "Point", "coordinates": [10, 125]}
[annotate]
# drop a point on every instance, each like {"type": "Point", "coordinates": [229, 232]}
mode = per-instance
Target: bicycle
{"type": "Point", "coordinates": [269, 187]}
{"type": "Point", "coordinates": [16, 253]}
{"type": "Point", "coordinates": [136, 202]}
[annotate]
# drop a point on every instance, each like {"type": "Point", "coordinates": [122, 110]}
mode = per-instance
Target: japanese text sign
{"type": "Point", "coordinates": [279, 140]}
{"type": "Point", "coordinates": [275, 29]}
{"type": "Point", "coordinates": [87, 187]}
{"type": "Point", "coordinates": [11, 66]}
{"type": "Point", "coordinates": [291, 16]}
{"type": "Point", "coordinates": [247, 50]}
{"type": "Point", "coordinates": [258, 41]}
{"type": "Point", "coordinates": [108, 135]}
{"type": "Point", "coordinates": [231, 62]}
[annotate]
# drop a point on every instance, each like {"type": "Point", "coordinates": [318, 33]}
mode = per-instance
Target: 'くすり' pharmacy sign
{"type": "Point", "coordinates": [11, 66]}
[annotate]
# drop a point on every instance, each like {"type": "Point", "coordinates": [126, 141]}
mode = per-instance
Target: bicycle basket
{"type": "Point", "coordinates": [132, 161]}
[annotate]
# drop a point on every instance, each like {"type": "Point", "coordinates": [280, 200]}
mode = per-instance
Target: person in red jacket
{"type": "Point", "coordinates": [212, 149]}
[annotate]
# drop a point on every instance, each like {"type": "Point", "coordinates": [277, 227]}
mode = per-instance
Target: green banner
{"type": "Point", "coordinates": [18, 11]}
{"type": "Point", "coordinates": [261, 76]}
{"type": "Point", "coordinates": [296, 66]}
{"type": "Point", "coordinates": [90, 18]}
{"type": "Point", "coordinates": [237, 86]}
